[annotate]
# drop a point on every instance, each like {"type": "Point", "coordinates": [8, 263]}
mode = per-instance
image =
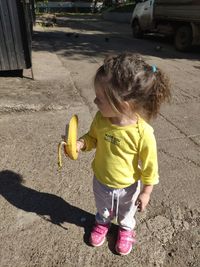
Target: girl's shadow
{"type": "Point", "coordinates": [50, 207]}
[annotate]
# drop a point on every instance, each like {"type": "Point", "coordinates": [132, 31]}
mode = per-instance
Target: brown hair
{"type": "Point", "coordinates": [127, 77]}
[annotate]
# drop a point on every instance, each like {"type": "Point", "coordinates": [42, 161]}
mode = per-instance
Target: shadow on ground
{"type": "Point", "coordinates": [92, 37]}
{"type": "Point", "coordinates": [12, 73]}
{"type": "Point", "coordinates": [45, 205]}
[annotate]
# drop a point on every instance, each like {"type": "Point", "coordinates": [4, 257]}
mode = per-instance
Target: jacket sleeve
{"type": "Point", "coordinates": [90, 137]}
{"type": "Point", "coordinates": [148, 158]}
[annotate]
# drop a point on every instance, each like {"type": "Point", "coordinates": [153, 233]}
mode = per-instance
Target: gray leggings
{"type": "Point", "coordinates": [116, 203]}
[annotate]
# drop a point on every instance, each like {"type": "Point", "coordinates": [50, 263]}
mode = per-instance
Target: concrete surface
{"type": "Point", "coordinates": [46, 218]}
{"type": "Point", "coordinates": [124, 17]}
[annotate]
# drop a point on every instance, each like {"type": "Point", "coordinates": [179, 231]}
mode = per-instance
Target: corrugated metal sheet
{"type": "Point", "coordinates": [15, 35]}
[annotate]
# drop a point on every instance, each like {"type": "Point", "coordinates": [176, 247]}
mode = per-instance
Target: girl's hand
{"type": "Point", "coordinates": [144, 197]}
{"type": "Point", "coordinates": [80, 144]}
{"type": "Point", "coordinates": [142, 201]}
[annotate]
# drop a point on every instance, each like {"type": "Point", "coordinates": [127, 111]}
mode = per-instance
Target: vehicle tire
{"type": "Point", "coordinates": [137, 32]}
{"type": "Point", "coordinates": [183, 38]}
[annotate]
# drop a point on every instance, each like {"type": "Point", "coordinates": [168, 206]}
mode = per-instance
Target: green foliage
{"type": "Point", "coordinates": [122, 8]}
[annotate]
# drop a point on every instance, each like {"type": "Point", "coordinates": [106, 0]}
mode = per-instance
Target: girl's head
{"type": "Point", "coordinates": [128, 84]}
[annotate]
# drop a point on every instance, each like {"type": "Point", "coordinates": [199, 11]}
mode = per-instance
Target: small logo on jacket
{"type": "Point", "coordinates": [111, 139]}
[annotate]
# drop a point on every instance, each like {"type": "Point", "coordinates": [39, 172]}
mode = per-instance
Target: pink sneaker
{"type": "Point", "coordinates": [125, 241]}
{"type": "Point", "coordinates": [98, 234]}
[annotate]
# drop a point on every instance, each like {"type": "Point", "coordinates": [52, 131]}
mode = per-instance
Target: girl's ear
{"type": "Point", "coordinates": [127, 107]}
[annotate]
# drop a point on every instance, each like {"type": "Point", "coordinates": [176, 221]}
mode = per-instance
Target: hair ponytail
{"type": "Point", "coordinates": [157, 91]}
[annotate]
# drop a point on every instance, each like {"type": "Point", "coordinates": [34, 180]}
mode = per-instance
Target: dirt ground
{"type": "Point", "coordinates": [46, 215]}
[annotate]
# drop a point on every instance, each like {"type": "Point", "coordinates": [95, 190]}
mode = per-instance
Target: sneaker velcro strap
{"type": "Point", "coordinates": [100, 229]}
{"type": "Point", "coordinates": [127, 238]}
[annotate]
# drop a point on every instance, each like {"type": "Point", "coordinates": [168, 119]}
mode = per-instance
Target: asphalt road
{"type": "Point", "coordinates": [46, 219]}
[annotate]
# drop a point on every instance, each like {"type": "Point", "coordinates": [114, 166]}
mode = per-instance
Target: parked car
{"type": "Point", "coordinates": [178, 18]}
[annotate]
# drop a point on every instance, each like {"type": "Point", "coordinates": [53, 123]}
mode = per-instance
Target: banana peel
{"type": "Point", "coordinates": [69, 143]}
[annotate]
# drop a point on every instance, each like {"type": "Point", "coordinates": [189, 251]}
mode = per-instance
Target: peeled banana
{"type": "Point", "coordinates": [69, 143]}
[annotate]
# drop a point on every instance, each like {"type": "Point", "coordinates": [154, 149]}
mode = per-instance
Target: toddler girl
{"type": "Point", "coordinates": [128, 93]}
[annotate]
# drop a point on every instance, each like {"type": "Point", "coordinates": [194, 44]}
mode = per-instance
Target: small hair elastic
{"type": "Point", "coordinates": [154, 68]}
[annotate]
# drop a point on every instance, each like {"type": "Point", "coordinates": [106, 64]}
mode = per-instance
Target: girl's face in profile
{"type": "Point", "coordinates": [102, 103]}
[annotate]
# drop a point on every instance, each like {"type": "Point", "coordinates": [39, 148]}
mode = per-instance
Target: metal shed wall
{"type": "Point", "coordinates": [15, 35]}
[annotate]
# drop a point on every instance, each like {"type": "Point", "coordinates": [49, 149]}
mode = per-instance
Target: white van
{"type": "Point", "coordinates": [179, 18]}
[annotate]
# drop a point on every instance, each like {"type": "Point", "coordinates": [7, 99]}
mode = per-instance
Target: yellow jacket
{"type": "Point", "coordinates": [120, 150]}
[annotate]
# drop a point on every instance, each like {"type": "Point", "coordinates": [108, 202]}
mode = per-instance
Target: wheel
{"type": "Point", "coordinates": [183, 38]}
{"type": "Point", "coordinates": [137, 32]}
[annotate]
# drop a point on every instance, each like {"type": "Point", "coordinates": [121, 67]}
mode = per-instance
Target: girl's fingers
{"type": "Point", "coordinates": [138, 204]}
{"type": "Point", "coordinates": [78, 146]}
